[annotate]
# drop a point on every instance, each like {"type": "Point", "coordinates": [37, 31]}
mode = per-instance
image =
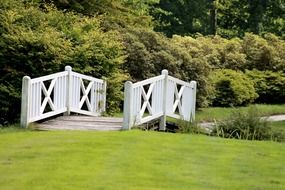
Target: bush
{"type": "Point", "coordinates": [149, 53]}
{"type": "Point", "coordinates": [264, 53]}
{"type": "Point", "coordinates": [270, 86]}
{"type": "Point", "coordinates": [245, 125]}
{"type": "Point", "coordinates": [232, 88]}
{"type": "Point", "coordinates": [250, 52]}
{"type": "Point", "coordinates": [36, 41]}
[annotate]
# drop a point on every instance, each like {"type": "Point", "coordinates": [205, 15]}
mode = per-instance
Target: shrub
{"type": "Point", "coordinates": [244, 125]}
{"type": "Point", "coordinates": [251, 51]}
{"type": "Point", "coordinates": [232, 88]}
{"type": "Point", "coordinates": [270, 86]}
{"type": "Point", "coordinates": [36, 41]}
{"type": "Point", "coordinates": [264, 53]}
{"type": "Point", "coordinates": [150, 52]}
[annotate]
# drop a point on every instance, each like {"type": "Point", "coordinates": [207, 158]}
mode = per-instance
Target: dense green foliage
{"type": "Point", "coordinates": [228, 18]}
{"type": "Point", "coordinates": [114, 13]}
{"type": "Point", "coordinates": [37, 41]}
{"type": "Point", "coordinates": [249, 52]}
{"type": "Point", "coordinates": [270, 86]}
{"type": "Point", "coordinates": [136, 160]}
{"type": "Point", "coordinates": [149, 53]}
{"type": "Point", "coordinates": [232, 88]}
{"type": "Point", "coordinates": [183, 17]}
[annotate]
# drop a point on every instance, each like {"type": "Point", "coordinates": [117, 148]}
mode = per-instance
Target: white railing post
{"type": "Point", "coordinates": [193, 108]}
{"type": "Point", "coordinates": [162, 123]}
{"type": "Point", "coordinates": [128, 106]}
{"type": "Point", "coordinates": [104, 95]}
{"type": "Point", "coordinates": [69, 89]}
{"type": "Point", "coordinates": [25, 104]}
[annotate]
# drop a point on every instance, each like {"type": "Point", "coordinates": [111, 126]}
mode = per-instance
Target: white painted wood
{"type": "Point", "coordinates": [104, 94]}
{"type": "Point", "coordinates": [69, 86]}
{"type": "Point", "coordinates": [161, 99]}
{"type": "Point", "coordinates": [65, 87]}
{"type": "Point", "coordinates": [146, 103]}
{"type": "Point", "coordinates": [178, 96]}
{"type": "Point", "coordinates": [49, 77]}
{"type": "Point", "coordinates": [26, 84]}
{"type": "Point", "coordinates": [137, 98]}
{"type": "Point", "coordinates": [128, 121]}
{"type": "Point", "coordinates": [193, 101]}
{"type": "Point", "coordinates": [85, 98]}
{"type": "Point", "coordinates": [165, 100]}
{"type": "Point", "coordinates": [148, 81]}
{"type": "Point", "coordinates": [47, 94]}
{"type": "Point", "coordinates": [162, 123]}
{"type": "Point", "coordinates": [174, 116]}
{"type": "Point", "coordinates": [183, 100]}
{"type": "Point", "coordinates": [84, 112]}
{"type": "Point", "coordinates": [35, 103]}
{"type": "Point", "coordinates": [178, 81]}
{"type": "Point", "coordinates": [150, 118]}
{"type": "Point", "coordinates": [47, 115]}
{"type": "Point", "coordinates": [85, 77]}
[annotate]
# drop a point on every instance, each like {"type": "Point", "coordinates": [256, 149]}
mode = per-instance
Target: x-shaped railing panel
{"type": "Point", "coordinates": [178, 96]}
{"type": "Point", "coordinates": [85, 92]}
{"type": "Point", "coordinates": [47, 94]}
{"type": "Point", "coordinates": [146, 97]}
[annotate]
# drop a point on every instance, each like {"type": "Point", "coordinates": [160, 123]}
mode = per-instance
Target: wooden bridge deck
{"type": "Point", "coordinates": [82, 123]}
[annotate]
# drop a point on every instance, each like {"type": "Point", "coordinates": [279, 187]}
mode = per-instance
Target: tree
{"type": "Point", "coordinates": [183, 17]}
{"type": "Point", "coordinates": [256, 18]}
{"type": "Point", "coordinates": [228, 18]}
{"type": "Point", "coordinates": [213, 17]}
{"type": "Point", "coordinates": [116, 13]}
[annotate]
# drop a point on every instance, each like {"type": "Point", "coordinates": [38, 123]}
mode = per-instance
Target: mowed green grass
{"type": "Point", "coordinates": [137, 160]}
{"type": "Point", "coordinates": [220, 113]}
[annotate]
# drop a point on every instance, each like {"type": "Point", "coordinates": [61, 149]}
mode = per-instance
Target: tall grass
{"type": "Point", "coordinates": [246, 125]}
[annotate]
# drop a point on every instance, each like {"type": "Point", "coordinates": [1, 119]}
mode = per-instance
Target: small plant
{"type": "Point", "coordinates": [189, 127]}
{"type": "Point", "coordinates": [246, 125]}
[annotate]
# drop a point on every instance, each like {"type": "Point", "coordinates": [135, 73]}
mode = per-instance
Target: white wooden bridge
{"type": "Point", "coordinates": [71, 101]}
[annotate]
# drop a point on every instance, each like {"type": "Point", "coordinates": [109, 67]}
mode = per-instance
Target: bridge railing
{"type": "Point", "coordinates": [158, 97]}
{"type": "Point", "coordinates": [61, 92]}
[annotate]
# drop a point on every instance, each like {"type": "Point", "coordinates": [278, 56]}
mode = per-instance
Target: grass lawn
{"type": "Point", "coordinates": [219, 113]}
{"type": "Point", "coordinates": [136, 160]}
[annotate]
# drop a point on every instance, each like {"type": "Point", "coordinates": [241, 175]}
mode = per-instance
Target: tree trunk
{"type": "Point", "coordinates": [213, 18]}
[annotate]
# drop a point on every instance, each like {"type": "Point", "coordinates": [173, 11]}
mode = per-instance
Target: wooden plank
{"type": "Point", "coordinates": [180, 82]}
{"type": "Point", "coordinates": [148, 81]}
{"type": "Point", "coordinates": [88, 118]}
{"type": "Point", "coordinates": [85, 77]}
{"type": "Point", "coordinates": [64, 123]}
{"type": "Point", "coordinates": [82, 123]}
{"type": "Point", "coordinates": [82, 128]}
{"type": "Point", "coordinates": [49, 77]}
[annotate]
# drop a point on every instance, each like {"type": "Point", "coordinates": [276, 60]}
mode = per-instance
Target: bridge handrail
{"type": "Point", "coordinates": [61, 92]}
{"type": "Point", "coordinates": [161, 98]}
